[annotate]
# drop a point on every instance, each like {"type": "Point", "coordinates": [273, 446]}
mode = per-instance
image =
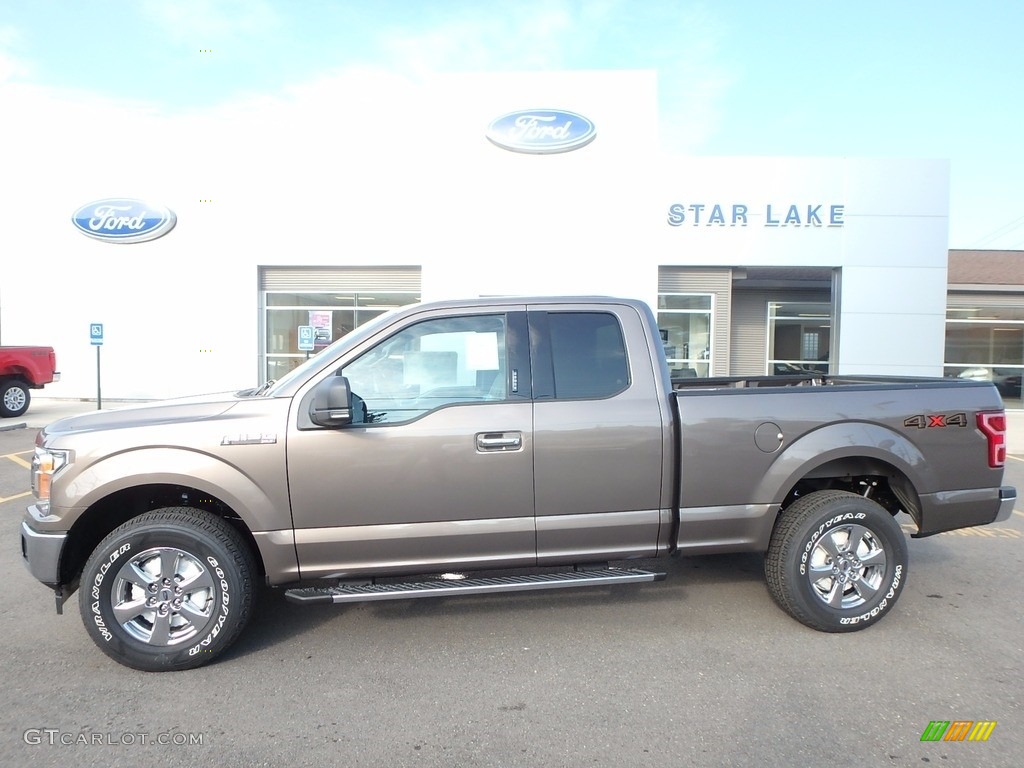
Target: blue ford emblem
{"type": "Point", "coordinates": [124, 220]}
{"type": "Point", "coordinates": [541, 131]}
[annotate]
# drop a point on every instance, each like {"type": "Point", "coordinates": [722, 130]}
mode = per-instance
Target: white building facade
{"type": "Point", "coordinates": [407, 191]}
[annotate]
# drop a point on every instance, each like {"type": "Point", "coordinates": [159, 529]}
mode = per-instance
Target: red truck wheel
{"type": "Point", "coordinates": [170, 589]}
{"type": "Point", "coordinates": [14, 398]}
{"type": "Point", "coordinates": [837, 562]}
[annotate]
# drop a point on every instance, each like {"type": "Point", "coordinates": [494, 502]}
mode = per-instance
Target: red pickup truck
{"type": "Point", "coordinates": [22, 369]}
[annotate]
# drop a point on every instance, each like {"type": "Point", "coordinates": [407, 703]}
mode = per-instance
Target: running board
{"type": "Point", "coordinates": [475, 586]}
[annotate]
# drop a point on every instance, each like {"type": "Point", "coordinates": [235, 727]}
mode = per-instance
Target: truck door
{"type": "Point", "coordinates": [599, 435]}
{"type": "Point", "coordinates": [436, 472]}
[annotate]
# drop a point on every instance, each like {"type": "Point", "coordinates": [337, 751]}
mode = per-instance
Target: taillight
{"type": "Point", "coordinates": [993, 426]}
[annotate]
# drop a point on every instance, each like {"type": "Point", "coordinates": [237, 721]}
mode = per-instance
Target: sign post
{"type": "Point", "coordinates": [307, 337]}
{"type": "Point", "coordinates": [96, 339]}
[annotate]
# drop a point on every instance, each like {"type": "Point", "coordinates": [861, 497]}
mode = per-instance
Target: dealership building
{"type": "Point", "coordinates": [203, 263]}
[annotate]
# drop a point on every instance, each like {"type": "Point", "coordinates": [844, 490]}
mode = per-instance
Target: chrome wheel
{"type": "Point", "coordinates": [846, 568]}
{"type": "Point", "coordinates": [163, 596]}
{"type": "Point", "coordinates": [169, 589]}
{"type": "Point", "coordinates": [13, 398]}
{"type": "Point", "coordinates": [837, 561]}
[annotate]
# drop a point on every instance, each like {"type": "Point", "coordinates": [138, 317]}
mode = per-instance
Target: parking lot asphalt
{"type": "Point", "coordinates": [699, 670]}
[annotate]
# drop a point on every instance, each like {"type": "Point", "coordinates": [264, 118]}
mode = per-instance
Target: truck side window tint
{"type": "Point", "coordinates": [429, 365]}
{"type": "Point", "coordinates": [588, 354]}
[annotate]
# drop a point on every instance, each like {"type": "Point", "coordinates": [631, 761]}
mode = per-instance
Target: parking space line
{"type": "Point", "coordinates": [16, 458]}
{"type": "Point", "coordinates": [4, 499]}
{"type": "Point", "coordinates": [985, 532]}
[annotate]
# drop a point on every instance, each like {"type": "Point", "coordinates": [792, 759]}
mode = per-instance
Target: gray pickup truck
{"type": "Point", "coordinates": [498, 445]}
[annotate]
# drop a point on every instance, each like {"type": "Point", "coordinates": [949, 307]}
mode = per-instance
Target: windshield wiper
{"type": "Point", "coordinates": [261, 389]}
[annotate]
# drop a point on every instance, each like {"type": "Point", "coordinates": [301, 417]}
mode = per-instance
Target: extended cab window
{"type": "Point", "coordinates": [429, 365]}
{"type": "Point", "coordinates": [588, 354]}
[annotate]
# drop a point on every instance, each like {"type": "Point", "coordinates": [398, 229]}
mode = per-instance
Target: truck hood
{"type": "Point", "coordinates": [147, 414]}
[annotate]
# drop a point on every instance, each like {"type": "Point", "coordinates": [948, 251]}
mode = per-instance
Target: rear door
{"type": "Point", "coordinates": [600, 438]}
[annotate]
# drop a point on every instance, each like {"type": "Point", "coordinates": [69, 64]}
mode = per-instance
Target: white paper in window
{"type": "Point", "coordinates": [482, 352]}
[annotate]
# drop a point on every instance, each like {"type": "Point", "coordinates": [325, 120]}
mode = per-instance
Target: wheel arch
{"type": "Point", "coordinates": [122, 505]}
{"type": "Point", "coordinates": [868, 459]}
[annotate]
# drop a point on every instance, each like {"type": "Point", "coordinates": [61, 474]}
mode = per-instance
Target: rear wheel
{"type": "Point", "coordinates": [837, 562]}
{"type": "Point", "coordinates": [170, 589]}
{"type": "Point", "coordinates": [14, 398]}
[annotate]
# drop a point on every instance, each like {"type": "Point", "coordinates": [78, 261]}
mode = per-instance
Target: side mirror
{"type": "Point", "coordinates": [332, 403]}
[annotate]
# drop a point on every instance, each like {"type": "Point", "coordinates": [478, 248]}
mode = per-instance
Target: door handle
{"type": "Point", "coordinates": [499, 441]}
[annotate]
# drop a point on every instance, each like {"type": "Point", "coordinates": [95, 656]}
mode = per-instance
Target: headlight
{"type": "Point", "coordinates": [45, 464]}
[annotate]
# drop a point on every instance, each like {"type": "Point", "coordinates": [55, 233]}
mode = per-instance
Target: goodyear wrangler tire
{"type": "Point", "coordinates": [837, 562]}
{"type": "Point", "coordinates": [170, 589]}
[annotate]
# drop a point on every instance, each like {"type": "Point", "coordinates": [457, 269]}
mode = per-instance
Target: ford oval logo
{"type": "Point", "coordinates": [124, 220]}
{"type": "Point", "coordinates": [541, 131]}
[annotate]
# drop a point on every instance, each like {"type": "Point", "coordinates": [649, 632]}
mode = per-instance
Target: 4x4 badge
{"type": "Point", "coordinates": [927, 421]}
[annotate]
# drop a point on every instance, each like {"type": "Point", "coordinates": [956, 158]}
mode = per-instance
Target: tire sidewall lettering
{"type": "Point", "coordinates": [223, 602]}
{"type": "Point", "coordinates": [97, 584]}
{"type": "Point", "coordinates": [875, 612]}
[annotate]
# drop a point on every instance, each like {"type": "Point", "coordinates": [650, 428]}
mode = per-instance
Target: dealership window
{"type": "Point", "coordinates": [799, 336]}
{"type": "Point", "coordinates": [987, 344]}
{"type": "Point", "coordinates": [331, 300]}
{"type": "Point", "coordinates": [684, 321]}
{"type": "Point", "coordinates": [331, 314]}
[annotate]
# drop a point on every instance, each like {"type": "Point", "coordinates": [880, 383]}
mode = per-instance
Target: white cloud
{"type": "Point", "coordinates": [529, 40]}
{"type": "Point", "coordinates": [211, 22]}
{"type": "Point", "coordinates": [11, 67]}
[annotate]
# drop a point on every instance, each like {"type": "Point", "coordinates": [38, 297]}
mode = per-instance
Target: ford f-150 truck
{"type": "Point", "coordinates": [22, 369]}
{"type": "Point", "coordinates": [498, 445]}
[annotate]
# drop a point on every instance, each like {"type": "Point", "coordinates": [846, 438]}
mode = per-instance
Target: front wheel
{"type": "Point", "coordinates": [170, 589]}
{"type": "Point", "coordinates": [14, 398]}
{"type": "Point", "coordinates": [837, 562]}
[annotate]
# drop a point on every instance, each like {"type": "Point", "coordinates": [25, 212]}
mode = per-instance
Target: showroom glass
{"type": "Point", "coordinates": [684, 322]}
{"type": "Point", "coordinates": [332, 315]}
{"type": "Point", "coordinates": [799, 336]}
{"type": "Point", "coordinates": [429, 365]}
{"type": "Point", "coordinates": [987, 344]}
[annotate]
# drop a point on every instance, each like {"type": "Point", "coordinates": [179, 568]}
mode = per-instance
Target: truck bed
{"type": "Point", "coordinates": [743, 457]}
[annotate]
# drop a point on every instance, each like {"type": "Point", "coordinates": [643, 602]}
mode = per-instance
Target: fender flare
{"type": "Point", "coordinates": [178, 466]}
{"type": "Point", "coordinates": [844, 440]}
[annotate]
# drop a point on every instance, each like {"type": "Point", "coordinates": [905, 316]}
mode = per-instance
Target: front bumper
{"type": "Point", "coordinates": [41, 552]}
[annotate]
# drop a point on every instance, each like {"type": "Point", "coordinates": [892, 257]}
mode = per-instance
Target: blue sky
{"type": "Point", "coordinates": [924, 78]}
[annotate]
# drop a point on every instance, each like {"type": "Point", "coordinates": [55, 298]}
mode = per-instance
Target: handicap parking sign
{"type": "Point", "coordinates": [96, 334]}
{"type": "Point", "coordinates": [306, 336]}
